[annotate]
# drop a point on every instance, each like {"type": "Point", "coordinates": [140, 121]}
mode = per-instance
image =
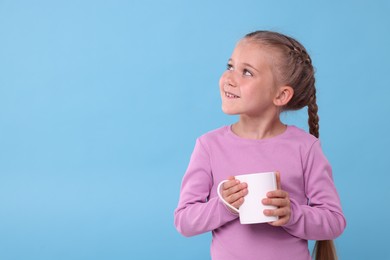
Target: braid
{"type": "Point", "coordinates": [305, 74]}
{"type": "Point", "coordinates": [313, 120]}
{"type": "Point", "coordinates": [294, 68]}
{"type": "Point", "coordinates": [300, 55]}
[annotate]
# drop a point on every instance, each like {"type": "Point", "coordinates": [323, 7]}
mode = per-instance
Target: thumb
{"type": "Point", "coordinates": [278, 183]}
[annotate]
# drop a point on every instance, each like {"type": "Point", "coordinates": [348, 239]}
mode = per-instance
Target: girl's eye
{"type": "Point", "coordinates": [229, 67]}
{"type": "Point", "coordinates": [247, 73]}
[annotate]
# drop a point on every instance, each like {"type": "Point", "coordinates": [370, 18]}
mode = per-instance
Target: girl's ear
{"type": "Point", "coordinates": [283, 96]}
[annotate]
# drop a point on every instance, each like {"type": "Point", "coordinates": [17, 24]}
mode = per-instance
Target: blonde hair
{"type": "Point", "coordinates": [294, 68]}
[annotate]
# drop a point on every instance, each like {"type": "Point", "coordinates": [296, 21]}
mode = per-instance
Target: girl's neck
{"type": "Point", "coordinates": [252, 128]}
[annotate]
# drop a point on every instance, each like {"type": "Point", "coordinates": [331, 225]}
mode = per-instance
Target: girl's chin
{"type": "Point", "coordinates": [229, 111]}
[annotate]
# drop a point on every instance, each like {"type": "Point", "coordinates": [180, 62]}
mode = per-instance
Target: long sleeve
{"type": "Point", "coordinates": [196, 212]}
{"type": "Point", "coordinates": [305, 174]}
{"type": "Point", "coordinates": [321, 218]}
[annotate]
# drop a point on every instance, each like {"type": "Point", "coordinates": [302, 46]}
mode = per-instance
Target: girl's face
{"type": "Point", "coordinates": [248, 86]}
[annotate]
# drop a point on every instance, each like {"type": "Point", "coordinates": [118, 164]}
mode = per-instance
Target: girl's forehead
{"type": "Point", "coordinates": [252, 52]}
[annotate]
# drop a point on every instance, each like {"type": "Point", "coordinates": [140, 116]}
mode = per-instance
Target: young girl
{"type": "Point", "coordinates": [268, 73]}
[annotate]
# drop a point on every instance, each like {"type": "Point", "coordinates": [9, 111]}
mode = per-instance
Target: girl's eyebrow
{"type": "Point", "coordinates": [248, 65]}
{"type": "Point", "coordinates": [245, 64]}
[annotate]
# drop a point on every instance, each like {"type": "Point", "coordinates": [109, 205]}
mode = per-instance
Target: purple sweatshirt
{"type": "Point", "coordinates": [305, 174]}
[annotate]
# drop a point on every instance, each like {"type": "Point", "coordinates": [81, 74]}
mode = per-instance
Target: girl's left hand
{"type": "Point", "coordinates": [281, 200]}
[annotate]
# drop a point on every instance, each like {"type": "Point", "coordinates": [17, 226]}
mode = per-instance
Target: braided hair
{"type": "Point", "coordinates": [293, 68]}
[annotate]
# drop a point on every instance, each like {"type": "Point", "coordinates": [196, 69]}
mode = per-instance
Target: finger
{"type": "Point", "coordinates": [278, 183]}
{"type": "Point", "coordinates": [232, 198]}
{"type": "Point", "coordinates": [229, 187]}
{"type": "Point", "coordinates": [282, 213]}
{"type": "Point", "coordinates": [237, 204]}
{"type": "Point", "coordinates": [237, 187]}
{"type": "Point", "coordinates": [279, 222]}
{"type": "Point", "coordinates": [230, 183]}
{"type": "Point", "coordinates": [277, 194]}
{"type": "Point", "coordinates": [275, 202]}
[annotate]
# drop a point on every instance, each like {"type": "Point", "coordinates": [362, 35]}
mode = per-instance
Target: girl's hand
{"type": "Point", "coordinates": [281, 200]}
{"type": "Point", "coordinates": [233, 192]}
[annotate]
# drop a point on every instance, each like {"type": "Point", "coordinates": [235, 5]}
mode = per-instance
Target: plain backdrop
{"type": "Point", "coordinates": [101, 103]}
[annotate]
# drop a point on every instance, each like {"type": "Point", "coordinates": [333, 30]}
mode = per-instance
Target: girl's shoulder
{"type": "Point", "coordinates": [215, 133]}
{"type": "Point", "coordinates": [300, 138]}
{"type": "Point", "coordinates": [300, 134]}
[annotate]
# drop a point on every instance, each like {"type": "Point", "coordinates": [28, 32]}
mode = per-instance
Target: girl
{"type": "Point", "coordinates": [268, 73]}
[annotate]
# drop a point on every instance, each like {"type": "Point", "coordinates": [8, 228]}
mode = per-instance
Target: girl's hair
{"type": "Point", "coordinates": [294, 68]}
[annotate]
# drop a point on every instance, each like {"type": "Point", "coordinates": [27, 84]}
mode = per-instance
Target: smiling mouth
{"type": "Point", "coordinates": [230, 95]}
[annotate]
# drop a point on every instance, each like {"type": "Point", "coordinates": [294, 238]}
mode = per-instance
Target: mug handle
{"type": "Point", "coordinates": [223, 200]}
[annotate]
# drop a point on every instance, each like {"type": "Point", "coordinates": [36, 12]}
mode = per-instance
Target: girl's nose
{"type": "Point", "coordinates": [230, 83]}
{"type": "Point", "coordinates": [229, 79]}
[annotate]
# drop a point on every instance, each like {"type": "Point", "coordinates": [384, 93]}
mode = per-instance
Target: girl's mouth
{"type": "Point", "coordinates": [230, 95]}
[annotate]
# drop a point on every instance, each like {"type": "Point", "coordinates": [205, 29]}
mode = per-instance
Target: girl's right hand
{"type": "Point", "coordinates": [233, 192]}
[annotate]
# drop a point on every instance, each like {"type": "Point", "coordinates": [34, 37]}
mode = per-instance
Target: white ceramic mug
{"type": "Point", "coordinates": [251, 211]}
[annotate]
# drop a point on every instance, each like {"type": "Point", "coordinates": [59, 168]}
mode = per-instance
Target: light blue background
{"type": "Point", "coordinates": [101, 103]}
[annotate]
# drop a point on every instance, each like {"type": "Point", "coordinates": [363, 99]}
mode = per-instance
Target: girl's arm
{"type": "Point", "coordinates": [196, 212]}
{"type": "Point", "coordinates": [321, 218]}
